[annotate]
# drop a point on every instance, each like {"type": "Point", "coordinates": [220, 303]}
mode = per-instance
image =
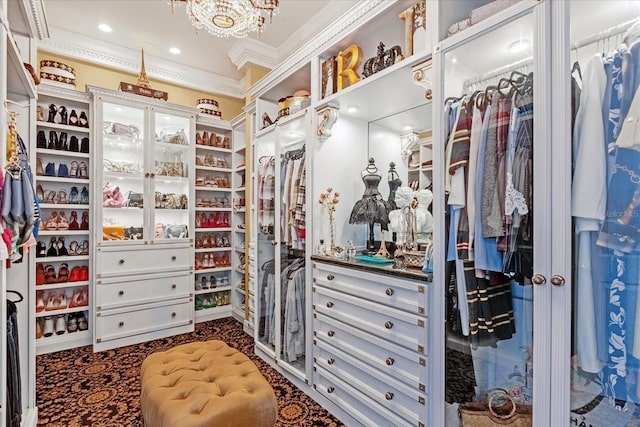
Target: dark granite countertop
{"type": "Point", "coordinates": [408, 273]}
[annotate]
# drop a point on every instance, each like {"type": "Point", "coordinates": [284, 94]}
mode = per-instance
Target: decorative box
{"type": "Point", "coordinates": [57, 73]}
{"type": "Point", "coordinates": [209, 106]}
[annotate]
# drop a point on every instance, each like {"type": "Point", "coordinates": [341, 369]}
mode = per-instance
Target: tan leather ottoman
{"type": "Point", "coordinates": [205, 384]}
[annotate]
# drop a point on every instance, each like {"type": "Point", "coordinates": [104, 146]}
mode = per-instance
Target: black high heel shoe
{"type": "Point", "coordinates": [62, 250]}
{"type": "Point", "coordinates": [84, 196]}
{"type": "Point", "coordinates": [73, 143]}
{"type": "Point", "coordinates": [73, 195]}
{"type": "Point", "coordinates": [83, 120]}
{"type": "Point", "coordinates": [42, 140]}
{"type": "Point", "coordinates": [84, 146]}
{"type": "Point", "coordinates": [41, 249]}
{"type": "Point", "coordinates": [73, 118]}
{"type": "Point", "coordinates": [63, 142]}
{"type": "Point", "coordinates": [53, 141]}
{"type": "Point", "coordinates": [53, 247]}
{"type": "Point", "coordinates": [52, 113]}
{"type": "Point", "coordinates": [63, 115]}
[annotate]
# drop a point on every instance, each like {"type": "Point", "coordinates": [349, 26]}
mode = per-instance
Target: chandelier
{"type": "Point", "coordinates": [229, 18]}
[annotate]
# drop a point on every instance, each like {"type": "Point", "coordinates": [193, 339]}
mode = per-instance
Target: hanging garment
{"type": "Point", "coordinates": [14, 384]}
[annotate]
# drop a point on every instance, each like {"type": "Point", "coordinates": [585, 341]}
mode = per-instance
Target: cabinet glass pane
{"type": "Point", "coordinates": [170, 184]}
{"type": "Point", "coordinates": [605, 348]}
{"type": "Point", "coordinates": [292, 242]}
{"type": "Point", "coordinates": [488, 126]}
{"type": "Point", "coordinates": [266, 243]}
{"type": "Point", "coordinates": [122, 172]}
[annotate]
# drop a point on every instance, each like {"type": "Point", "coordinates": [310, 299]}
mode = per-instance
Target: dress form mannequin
{"type": "Point", "coordinates": [394, 183]}
{"type": "Point", "coordinates": [372, 208]}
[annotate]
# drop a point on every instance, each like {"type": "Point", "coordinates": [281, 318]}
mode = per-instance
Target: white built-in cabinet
{"type": "Point", "coordinates": [143, 197]}
{"type": "Point", "coordinates": [239, 295]}
{"type": "Point", "coordinates": [21, 24]}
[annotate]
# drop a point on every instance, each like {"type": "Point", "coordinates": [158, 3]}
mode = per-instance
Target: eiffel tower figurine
{"type": "Point", "coordinates": [143, 81]}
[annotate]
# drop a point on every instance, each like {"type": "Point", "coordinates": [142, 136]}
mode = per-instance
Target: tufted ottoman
{"type": "Point", "coordinates": [205, 384]}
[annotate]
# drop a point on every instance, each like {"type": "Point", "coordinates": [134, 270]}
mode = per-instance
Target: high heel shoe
{"type": "Point", "coordinates": [74, 169]}
{"type": "Point", "coordinates": [198, 138]}
{"type": "Point", "coordinates": [83, 248]}
{"type": "Point", "coordinates": [51, 195]}
{"type": "Point", "coordinates": [53, 249]}
{"type": "Point", "coordinates": [39, 274]}
{"type": "Point", "coordinates": [50, 170]}
{"type": "Point", "coordinates": [84, 146]}
{"type": "Point", "coordinates": [83, 120]}
{"type": "Point", "coordinates": [72, 322]}
{"type": "Point", "coordinates": [62, 197]}
{"type": "Point", "coordinates": [52, 223]}
{"type": "Point", "coordinates": [39, 170]}
{"type": "Point", "coordinates": [50, 275]}
{"type": "Point", "coordinates": [53, 141]}
{"type": "Point", "coordinates": [40, 113]}
{"type": "Point", "coordinates": [39, 302]}
{"type": "Point", "coordinates": [82, 171]}
{"type": "Point", "coordinates": [73, 196]}
{"type": "Point", "coordinates": [63, 224]}
{"type": "Point", "coordinates": [40, 194]}
{"type": "Point", "coordinates": [63, 171]}
{"type": "Point", "coordinates": [84, 196]}
{"type": "Point", "coordinates": [52, 113]}
{"type": "Point", "coordinates": [73, 221]}
{"type": "Point", "coordinates": [73, 144]}
{"type": "Point", "coordinates": [84, 225]}
{"type": "Point", "coordinates": [62, 251]}
{"type": "Point", "coordinates": [41, 250]}
{"type": "Point", "coordinates": [73, 118]}
{"type": "Point", "coordinates": [74, 248]}
{"type": "Point", "coordinates": [62, 142]}
{"type": "Point", "coordinates": [63, 115]}
{"type": "Point", "coordinates": [42, 140]}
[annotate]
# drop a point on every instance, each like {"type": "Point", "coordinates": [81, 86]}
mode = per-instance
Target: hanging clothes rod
{"type": "Point", "coordinates": [604, 34]}
{"type": "Point", "coordinates": [490, 75]}
{"type": "Point", "coordinates": [8, 101]}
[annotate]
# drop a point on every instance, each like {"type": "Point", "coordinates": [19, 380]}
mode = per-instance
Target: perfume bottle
{"type": "Point", "coordinates": [351, 251]}
{"type": "Point", "coordinates": [322, 250]}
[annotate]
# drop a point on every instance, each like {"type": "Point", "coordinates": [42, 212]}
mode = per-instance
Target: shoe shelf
{"type": "Point", "coordinates": [63, 127]}
{"type": "Point", "coordinates": [220, 189]}
{"type": "Point", "coordinates": [64, 138]}
{"type": "Point", "coordinates": [108, 174]}
{"type": "Point", "coordinates": [203, 250]}
{"type": "Point", "coordinates": [212, 270]}
{"type": "Point", "coordinates": [50, 286]}
{"type": "Point", "coordinates": [60, 153]}
{"type": "Point", "coordinates": [204, 209]}
{"type": "Point", "coordinates": [213, 169]}
{"type": "Point", "coordinates": [213, 290]}
{"type": "Point", "coordinates": [212, 229]}
{"type": "Point", "coordinates": [218, 149]}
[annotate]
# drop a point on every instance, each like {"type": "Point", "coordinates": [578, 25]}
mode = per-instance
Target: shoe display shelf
{"type": "Point", "coordinates": [213, 219]}
{"type": "Point", "coordinates": [238, 183]}
{"type": "Point", "coordinates": [419, 158]}
{"type": "Point", "coordinates": [63, 287]}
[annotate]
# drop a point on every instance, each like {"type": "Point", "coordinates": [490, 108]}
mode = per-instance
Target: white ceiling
{"type": "Point", "coordinates": [150, 24]}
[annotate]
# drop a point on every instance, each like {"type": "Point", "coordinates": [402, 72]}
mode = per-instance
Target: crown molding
{"type": "Point", "coordinates": [125, 96]}
{"type": "Point", "coordinates": [350, 21]}
{"type": "Point", "coordinates": [84, 48]}
{"type": "Point", "coordinates": [38, 19]}
{"type": "Point", "coordinates": [253, 51]}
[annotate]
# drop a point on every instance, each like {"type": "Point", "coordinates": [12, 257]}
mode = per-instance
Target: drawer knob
{"type": "Point", "coordinates": [330, 389]}
{"type": "Point", "coordinates": [121, 262]}
{"type": "Point", "coordinates": [389, 361]}
{"type": "Point", "coordinates": [173, 286]}
{"type": "Point", "coordinates": [330, 277]}
{"type": "Point", "coordinates": [331, 361]}
{"type": "Point", "coordinates": [121, 293]}
{"type": "Point", "coordinates": [331, 333]}
{"type": "Point", "coordinates": [388, 395]}
{"type": "Point", "coordinates": [388, 324]}
{"type": "Point", "coordinates": [329, 304]}
{"type": "Point", "coordinates": [121, 324]}
{"type": "Point", "coordinates": [389, 291]}
{"type": "Point", "coordinates": [173, 314]}
{"type": "Point", "coordinates": [173, 258]}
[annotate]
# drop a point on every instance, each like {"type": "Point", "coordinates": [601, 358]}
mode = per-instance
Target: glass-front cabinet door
{"type": "Point", "coordinates": [601, 62]}
{"type": "Point", "coordinates": [170, 176]}
{"type": "Point", "coordinates": [123, 182]}
{"type": "Point", "coordinates": [490, 131]}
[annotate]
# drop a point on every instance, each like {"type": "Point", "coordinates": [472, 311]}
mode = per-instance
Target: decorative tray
{"type": "Point", "coordinates": [374, 259]}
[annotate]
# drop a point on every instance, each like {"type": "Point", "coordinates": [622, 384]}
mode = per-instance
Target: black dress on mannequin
{"type": "Point", "coordinates": [394, 183]}
{"type": "Point", "coordinates": [372, 208]}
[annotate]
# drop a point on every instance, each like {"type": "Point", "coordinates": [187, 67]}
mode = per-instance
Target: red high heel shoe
{"type": "Point", "coordinates": [84, 273]}
{"type": "Point", "coordinates": [84, 225]}
{"type": "Point", "coordinates": [73, 221]}
{"type": "Point", "coordinates": [75, 275]}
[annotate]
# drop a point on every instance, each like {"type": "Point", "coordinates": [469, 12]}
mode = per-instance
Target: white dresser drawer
{"type": "Point", "coordinates": [359, 406]}
{"type": "Point", "coordinates": [133, 291]}
{"type": "Point", "coordinates": [120, 323]}
{"type": "Point", "coordinates": [405, 365]}
{"type": "Point", "coordinates": [404, 294]}
{"type": "Point", "coordinates": [383, 389]}
{"type": "Point", "coordinates": [405, 329]}
{"type": "Point", "coordinates": [127, 261]}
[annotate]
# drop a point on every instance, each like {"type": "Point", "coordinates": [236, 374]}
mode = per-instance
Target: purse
{"type": "Point", "coordinates": [134, 200]}
{"type": "Point", "coordinates": [173, 135]}
{"type": "Point", "coordinates": [133, 233]}
{"type": "Point", "coordinates": [113, 232]}
{"type": "Point", "coordinates": [500, 410]}
{"type": "Point", "coordinates": [177, 231]}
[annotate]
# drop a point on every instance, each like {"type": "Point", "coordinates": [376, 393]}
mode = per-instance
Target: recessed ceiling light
{"type": "Point", "coordinates": [352, 109]}
{"type": "Point", "coordinates": [167, 118]}
{"type": "Point", "coordinates": [105, 28]}
{"type": "Point", "coordinates": [454, 59]}
{"type": "Point", "coordinates": [117, 108]}
{"type": "Point", "coordinates": [294, 134]}
{"type": "Point", "coordinates": [407, 127]}
{"type": "Point", "coordinates": [175, 50]}
{"type": "Point", "coordinates": [520, 46]}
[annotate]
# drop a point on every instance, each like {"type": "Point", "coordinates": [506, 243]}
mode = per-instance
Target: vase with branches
{"type": "Point", "coordinates": [329, 199]}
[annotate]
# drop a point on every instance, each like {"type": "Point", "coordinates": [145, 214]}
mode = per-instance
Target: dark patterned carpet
{"type": "Point", "coordinates": [80, 388]}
